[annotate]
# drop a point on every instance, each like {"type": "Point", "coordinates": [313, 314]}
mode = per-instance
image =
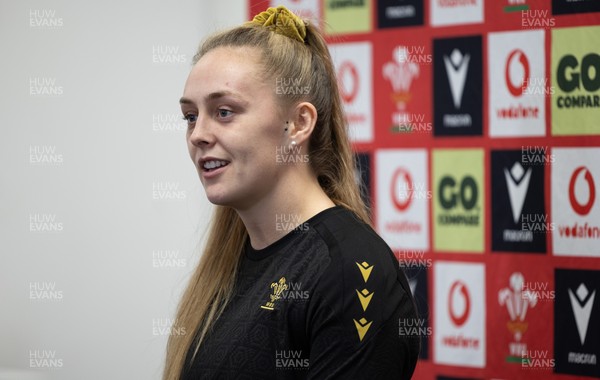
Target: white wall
{"type": "Point", "coordinates": [88, 98]}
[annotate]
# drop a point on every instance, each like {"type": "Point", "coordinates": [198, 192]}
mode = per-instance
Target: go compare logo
{"type": "Point", "coordinates": [571, 75]}
{"type": "Point", "coordinates": [458, 199]}
{"type": "Point", "coordinates": [576, 74]}
{"type": "Point", "coordinates": [451, 195]}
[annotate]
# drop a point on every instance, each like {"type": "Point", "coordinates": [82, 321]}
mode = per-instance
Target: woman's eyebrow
{"type": "Point", "coordinates": [211, 96]}
{"type": "Point", "coordinates": [185, 101]}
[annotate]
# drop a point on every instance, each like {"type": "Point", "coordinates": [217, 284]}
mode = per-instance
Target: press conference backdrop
{"type": "Point", "coordinates": [478, 130]}
{"type": "Point", "coordinates": [101, 210]}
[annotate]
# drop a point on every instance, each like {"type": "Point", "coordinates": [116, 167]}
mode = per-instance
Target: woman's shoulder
{"type": "Point", "coordinates": [353, 242]}
{"type": "Point", "coordinates": [359, 258]}
{"type": "Point", "coordinates": [363, 288]}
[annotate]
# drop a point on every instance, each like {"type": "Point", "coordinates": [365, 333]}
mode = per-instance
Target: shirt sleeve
{"type": "Point", "coordinates": [355, 312]}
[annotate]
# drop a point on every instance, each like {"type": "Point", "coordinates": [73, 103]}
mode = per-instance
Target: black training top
{"type": "Point", "coordinates": [323, 302]}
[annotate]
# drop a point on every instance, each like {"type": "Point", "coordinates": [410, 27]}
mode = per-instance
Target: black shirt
{"type": "Point", "coordinates": [323, 302]}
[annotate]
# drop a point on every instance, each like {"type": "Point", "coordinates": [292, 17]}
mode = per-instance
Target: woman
{"type": "Point", "coordinates": [293, 282]}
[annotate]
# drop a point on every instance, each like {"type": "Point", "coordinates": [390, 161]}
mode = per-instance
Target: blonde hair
{"type": "Point", "coordinates": [331, 159]}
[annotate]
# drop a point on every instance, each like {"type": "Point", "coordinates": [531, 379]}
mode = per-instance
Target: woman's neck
{"type": "Point", "coordinates": [274, 216]}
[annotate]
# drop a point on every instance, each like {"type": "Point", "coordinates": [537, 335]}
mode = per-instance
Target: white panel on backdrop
{"type": "Point", "coordinates": [575, 201]}
{"type": "Point", "coordinates": [518, 83]}
{"type": "Point", "coordinates": [459, 326]}
{"type": "Point", "coordinates": [402, 198]}
{"type": "Point", "coordinates": [452, 12]}
{"type": "Point", "coordinates": [309, 9]}
{"type": "Point", "coordinates": [353, 67]}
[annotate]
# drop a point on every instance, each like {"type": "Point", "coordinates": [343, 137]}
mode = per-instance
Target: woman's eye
{"type": "Point", "coordinates": [223, 113]}
{"type": "Point", "coordinates": [190, 118]}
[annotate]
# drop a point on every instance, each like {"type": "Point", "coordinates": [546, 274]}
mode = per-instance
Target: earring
{"type": "Point", "coordinates": [293, 143]}
{"type": "Point", "coordinates": [286, 128]}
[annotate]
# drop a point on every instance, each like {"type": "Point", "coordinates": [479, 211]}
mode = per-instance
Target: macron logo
{"type": "Point", "coordinates": [456, 69]}
{"type": "Point", "coordinates": [517, 181]}
{"type": "Point", "coordinates": [582, 310]}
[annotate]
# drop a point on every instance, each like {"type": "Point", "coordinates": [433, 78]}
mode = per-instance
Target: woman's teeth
{"type": "Point", "coordinates": [208, 165]}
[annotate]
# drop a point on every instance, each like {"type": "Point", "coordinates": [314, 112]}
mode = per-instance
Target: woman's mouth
{"type": "Point", "coordinates": [211, 165]}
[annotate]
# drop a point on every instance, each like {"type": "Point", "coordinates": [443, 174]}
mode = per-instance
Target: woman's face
{"type": "Point", "coordinates": [234, 127]}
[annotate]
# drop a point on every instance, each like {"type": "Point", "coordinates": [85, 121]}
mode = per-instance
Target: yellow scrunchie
{"type": "Point", "coordinates": [283, 22]}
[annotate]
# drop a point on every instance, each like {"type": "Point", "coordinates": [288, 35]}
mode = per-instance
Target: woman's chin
{"type": "Point", "coordinates": [218, 199]}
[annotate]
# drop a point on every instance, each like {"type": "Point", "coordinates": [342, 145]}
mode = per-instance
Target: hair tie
{"type": "Point", "coordinates": [282, 21]}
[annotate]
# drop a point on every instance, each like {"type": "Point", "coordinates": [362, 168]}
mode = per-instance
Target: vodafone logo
{"type": "Point", "coordinates": [460, 332]}
{"type": "Point", "coordinates": [516, 86]}
{"type": "Point", "coordinates": [348, 81]}
{"type": "Point", "coordinates": [577, 230]}
{"type": "Point", "coordinates": [459, 303]}
{"type": "Point", "coordinates": [401, 183]}
{"type": "Point", "coordinates": [582, 208]}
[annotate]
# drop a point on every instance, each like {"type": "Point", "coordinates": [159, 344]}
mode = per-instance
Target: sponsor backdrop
{"type": "Point", "coordinates": [477, 125]}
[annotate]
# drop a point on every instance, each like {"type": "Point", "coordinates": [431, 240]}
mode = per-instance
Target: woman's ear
{"type": "Point", "coordinates": [302, 123]}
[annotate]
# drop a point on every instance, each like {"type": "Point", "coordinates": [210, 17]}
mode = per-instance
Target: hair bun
{"type": "Point", "coordinates": [282, 21]}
